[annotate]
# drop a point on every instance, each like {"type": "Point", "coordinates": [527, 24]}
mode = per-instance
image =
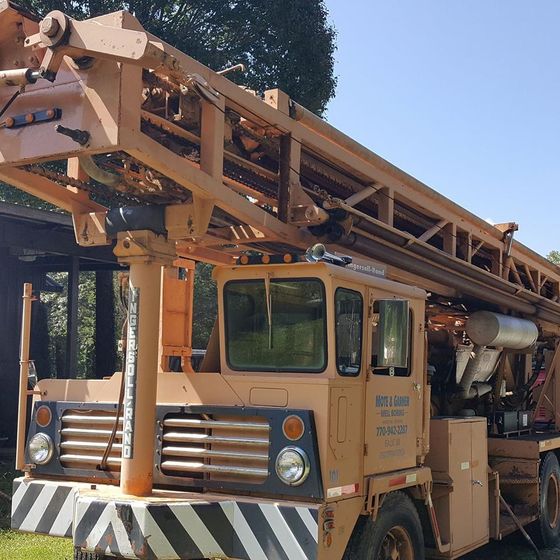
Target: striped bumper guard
{"type": "Point", "coordinates": [168, 530]}
{"type": "Point", "coordinates": [43, 507]}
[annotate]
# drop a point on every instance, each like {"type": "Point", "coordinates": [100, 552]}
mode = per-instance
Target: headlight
{"type": "Point", "coordinates": [292, 465]}
{"type": "Point", "coordinates": [40, 448]}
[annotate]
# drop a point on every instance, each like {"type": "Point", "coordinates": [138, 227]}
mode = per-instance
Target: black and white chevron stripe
{"type": "Point", "coordinates": [196, 529]}
{"type": "Point", "coordinates": [170, 530]}
{"type": "Point", "coordinates": [43, 507]}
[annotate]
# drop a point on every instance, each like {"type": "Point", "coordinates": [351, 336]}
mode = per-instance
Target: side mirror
{"type": "Point", "coordinates": [32, 375]}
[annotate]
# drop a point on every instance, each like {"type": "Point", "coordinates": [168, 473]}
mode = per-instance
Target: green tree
{"type": "Point", "coordinates": [205, 305]}
{"type": "Point", "coordinates": [554, 256]}
{"type": "Point", "coordinates": [15, 196]}
{"type": "Point", "coordinates": [55, 304]}
{"type": "Point", "coordinates": [288, 44]}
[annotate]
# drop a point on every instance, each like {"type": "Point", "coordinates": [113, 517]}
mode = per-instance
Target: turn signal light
{"type": "Point", "coordinates": [43, 416]}
{"type": "Point", "coordinates": [293, 427]}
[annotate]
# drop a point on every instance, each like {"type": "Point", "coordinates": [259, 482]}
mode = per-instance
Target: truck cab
{"type": "Point", "coordinates": [319, 390]}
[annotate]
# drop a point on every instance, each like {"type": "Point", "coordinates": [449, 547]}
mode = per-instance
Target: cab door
{"type": "Point", "coordinates": [393, 400]}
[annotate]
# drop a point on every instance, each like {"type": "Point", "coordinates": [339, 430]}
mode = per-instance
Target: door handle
{"type": "Point", "coordinates": [418, 388]}
{"type": "Point", "coordinates": [478, 483]}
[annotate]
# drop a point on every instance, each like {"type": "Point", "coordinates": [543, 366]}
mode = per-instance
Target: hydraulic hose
{"type": "Point", "coordinates": [123, 304]}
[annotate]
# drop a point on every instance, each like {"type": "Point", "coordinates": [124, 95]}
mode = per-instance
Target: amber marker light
{"type": "Point", "coordinates": [244, 259]}
{"type": "Point", "coordinates": [288, 258]}
{"type": "Point", "coordinates": [265, 259]}
{"type": "Point", "coordinates": [293, 427]}
{"type": "Point", "coordinates": [43, 416]}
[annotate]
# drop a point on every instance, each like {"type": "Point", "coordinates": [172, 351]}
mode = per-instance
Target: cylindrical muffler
{"type": "Point", "coordinates": [485, 328]}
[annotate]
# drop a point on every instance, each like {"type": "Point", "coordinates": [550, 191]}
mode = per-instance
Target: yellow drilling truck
{"type": "Point", "coordinates": [370, 385]}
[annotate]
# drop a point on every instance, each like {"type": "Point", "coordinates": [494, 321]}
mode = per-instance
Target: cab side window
{"type": "Point", "coordinates": [392, 336]}
{"type": "Point", "coordinates": [349, 315]}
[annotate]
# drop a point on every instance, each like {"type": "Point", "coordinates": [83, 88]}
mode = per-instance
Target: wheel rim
{"type": "Point", "coordinates": [397, 545]}
{"type": "Point", "coordinates": [553, 501]}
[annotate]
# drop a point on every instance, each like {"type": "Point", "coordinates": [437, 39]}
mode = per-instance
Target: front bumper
{"type": "Point", "coordinates": [167, 526]}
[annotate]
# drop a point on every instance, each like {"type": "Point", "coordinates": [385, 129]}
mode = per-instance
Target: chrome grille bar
{"type": "Point", "coordinates": [213, 424]}
{"type": "Point", "coordinates": [89, 419]}
{"type": "Point", "coordinates": [85, 432]}
{"type": "Point", "coordinates": [189, 466]}
{"type": "Point", "coordinates": [227, 447]}
{"type": "Point", "coordinates": [88, 459]}
{"type": "Point", "coordinates": [72, 444]}
{"type": "Point", "coordinates": [201, 452]}
{"type": "Point", "coordinates": [205, 438]}
{"type": "Point", "coordinates": [84, 438]}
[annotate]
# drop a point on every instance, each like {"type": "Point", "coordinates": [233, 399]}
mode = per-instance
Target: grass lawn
{"type": "Point", "coordinates": [19, 546]}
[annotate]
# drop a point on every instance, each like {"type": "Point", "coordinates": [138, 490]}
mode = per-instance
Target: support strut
{"type": "Point", "coordinates": [145, 253]}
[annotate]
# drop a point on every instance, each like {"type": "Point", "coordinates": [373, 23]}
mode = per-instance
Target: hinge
{"type": "Point", "coordinates": [365, 449]}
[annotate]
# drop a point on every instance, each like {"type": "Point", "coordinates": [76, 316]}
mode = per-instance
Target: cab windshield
{"type": "Point", "coordinates": [275, 325]}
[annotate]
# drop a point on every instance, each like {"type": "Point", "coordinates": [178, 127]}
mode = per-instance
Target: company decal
{"type": "Point", "coordinates": [130, 373]}
{"type": "Point", "coordinates": [392, 411]}
{"type": "Point", "coordinates": [366, 266]}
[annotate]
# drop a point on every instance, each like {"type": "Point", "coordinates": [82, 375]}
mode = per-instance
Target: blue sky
{"type": "Point", "coordinates": [462, 94]}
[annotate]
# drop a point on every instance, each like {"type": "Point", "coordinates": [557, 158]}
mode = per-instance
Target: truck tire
{"type": "Point", "coordinates": [79, 554]}
{"type": "Point", "coordinates": [548, 533]}
{"type": "Point", "coordinates": [396, 534]}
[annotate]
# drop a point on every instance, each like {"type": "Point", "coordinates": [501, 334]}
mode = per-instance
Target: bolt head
{"type": "Point", "coordinates": [50, 26]}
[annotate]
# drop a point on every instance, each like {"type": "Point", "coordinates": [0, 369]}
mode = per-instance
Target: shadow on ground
{"type": "Point", "coordinates": [513, 547]}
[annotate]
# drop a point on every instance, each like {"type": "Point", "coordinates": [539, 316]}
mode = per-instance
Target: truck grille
{"type": "Point", "coordinates": [84, 436]}
{"type": "Point", "coordinates": [213, 447]}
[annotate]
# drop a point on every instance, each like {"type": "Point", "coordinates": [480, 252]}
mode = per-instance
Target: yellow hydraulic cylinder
{"type": "Point", "coordinates": [141, 378]}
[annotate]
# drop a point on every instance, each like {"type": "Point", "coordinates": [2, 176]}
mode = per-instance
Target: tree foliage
{"type": "Point", "coordinates": [554, 256]}
{"type": "Point", "coordinates": [56, 305]}
{"type": "Point", "coordinates": [205, 305]}
{"type": "Point", "coordinates": [15, 196]}
{"type": "Point", "coordinates": [288, 44]}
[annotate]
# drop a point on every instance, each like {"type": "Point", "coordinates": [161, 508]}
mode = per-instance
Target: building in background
{"type": "Point", "coordinates": [34, 243]}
